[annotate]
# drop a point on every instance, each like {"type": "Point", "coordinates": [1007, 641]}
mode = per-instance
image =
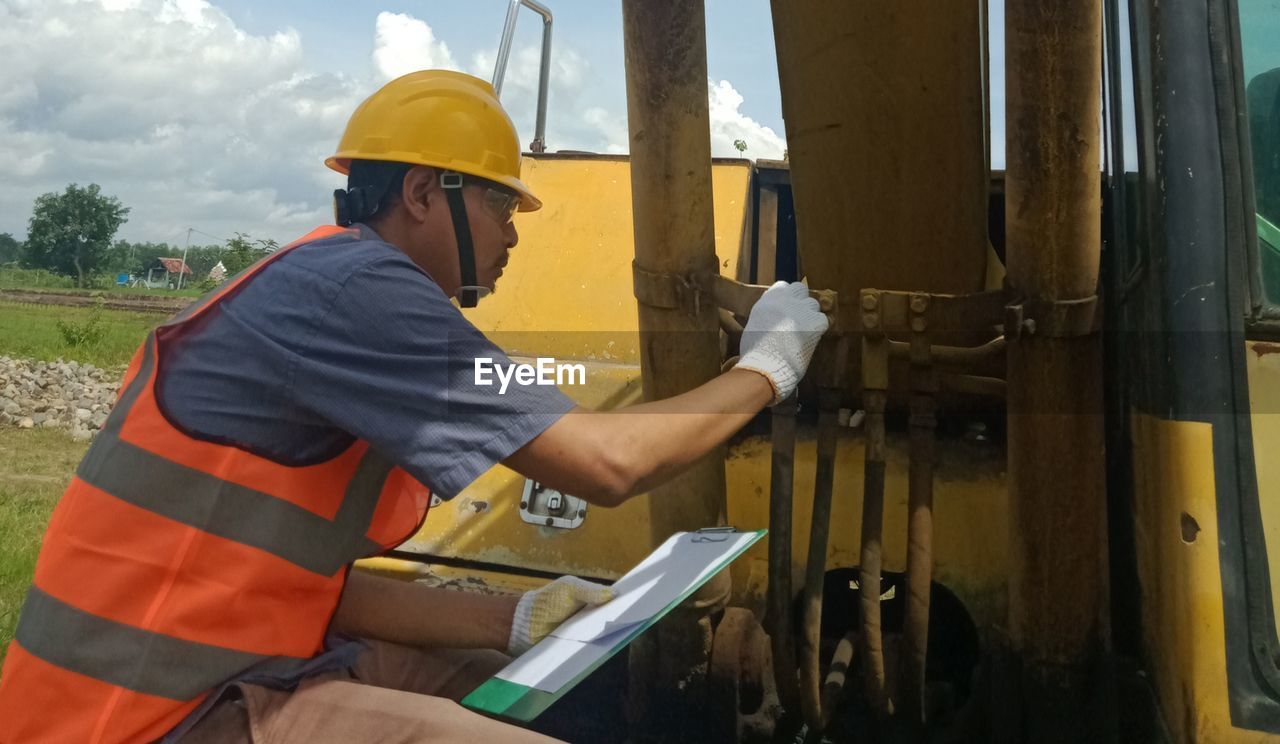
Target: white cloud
{"type": "Point", "coordinates": [403, 44]}
{"type": "Point", "coordinates": [728, 124]}
{"type": "Point", "coordinates": [612, 127]}
{"type": "Point", "coordinates": [571, 123]}
{"type": "Point", "coordinates": [193, 121]}
{"type": "Point", "coordinates": [575, 121]}
{"type": "Point", "coordinates": [168, 105]}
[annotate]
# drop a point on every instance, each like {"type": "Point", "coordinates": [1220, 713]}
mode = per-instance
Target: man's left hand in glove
{"type": "Point", "coordinates": [542, 610]}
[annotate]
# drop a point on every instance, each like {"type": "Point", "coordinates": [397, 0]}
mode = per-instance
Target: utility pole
{"type": "Point", "coordinates": [185, 248]}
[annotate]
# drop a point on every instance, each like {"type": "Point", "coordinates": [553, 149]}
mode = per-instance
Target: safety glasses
{"type": "Point", "coordinates": [500, 204]}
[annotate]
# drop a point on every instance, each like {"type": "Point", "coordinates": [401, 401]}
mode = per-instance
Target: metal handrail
{"type": "Point", "coordinates": [539, 143]}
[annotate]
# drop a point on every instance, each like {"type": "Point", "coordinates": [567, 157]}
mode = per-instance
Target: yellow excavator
{"type": "Point", "coordinates": [1030, 489]}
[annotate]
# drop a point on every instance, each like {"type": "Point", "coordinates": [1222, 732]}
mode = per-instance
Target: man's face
{"type": "Point", "coordinates": [490, 210]}
{"type": "Point", "coordinates": [493, 234]}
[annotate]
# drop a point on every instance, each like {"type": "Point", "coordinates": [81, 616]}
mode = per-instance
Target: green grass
{"type": "Point", "coordinates": [44, 281]}
{"type": "Point", "coordinates": [113, 290]}
{"type": "Point", "coordinates": [31, 331]}
{"type": "Point", "coordinates": [35, 467]}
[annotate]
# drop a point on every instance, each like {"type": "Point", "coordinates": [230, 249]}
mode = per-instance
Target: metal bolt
{"type": "Point", "coordinates": [870, 301]}
{"type": "Point", "coordinates": [918, 325]}
{"type": "Point", "coordinates": [919, 303]}
{"type": "Point", "coordinates": [582, 513]}
{"type": "Point", "coordinates": [524, 504]}
{"type": "Point", "coordinates": [870, 320]}
{"type": "Point", "coordinates": [550, 521]}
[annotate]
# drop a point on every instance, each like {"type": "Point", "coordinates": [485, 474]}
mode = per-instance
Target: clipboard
{"type": "Point", "coordinates": [555, 665]}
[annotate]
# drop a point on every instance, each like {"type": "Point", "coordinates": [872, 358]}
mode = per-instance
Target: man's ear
{"type": "Point", "coordinates": [415, 195]}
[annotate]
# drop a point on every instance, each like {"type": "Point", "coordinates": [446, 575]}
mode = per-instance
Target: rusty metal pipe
{"type": "Point", "coordinates": [910, 694]}
{"type": "Point", "coordinates": [837, 675]}
{"type": "Point", "coordinates": [816, 565]}
{"type": "Point", "coordinates": [955, 357]}
{"type": "Point", "coordinates": [666, 68]}
{"type": "Point", "coordinates": [781, 482]}
{"type": "Point", "coordinates": [1058, 572]}
{"type": "Point", "coordinates": [664, 45]}
{"type": "Point", "coordinates": [987, 387]}
{"type": "Point", "coordinates": [872, 642]}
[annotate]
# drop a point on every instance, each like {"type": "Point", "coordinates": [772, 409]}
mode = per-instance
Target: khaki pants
{"type": "Point", "coordinates": [393, 695]}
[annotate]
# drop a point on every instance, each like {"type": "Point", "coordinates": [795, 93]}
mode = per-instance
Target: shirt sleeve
{"type": "Point", "coordinates": [394, 363]}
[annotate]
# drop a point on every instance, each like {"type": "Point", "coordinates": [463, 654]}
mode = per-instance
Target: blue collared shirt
{"type": "Point", "coordinates": [341, 340]}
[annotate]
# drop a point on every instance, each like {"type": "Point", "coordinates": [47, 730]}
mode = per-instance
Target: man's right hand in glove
{"type": "Point", "coordinates": [780, 336]}
{"type": "Point", "coordinates": [606, 457]}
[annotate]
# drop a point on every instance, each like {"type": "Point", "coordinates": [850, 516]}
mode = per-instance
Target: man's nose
{"type": "Point", "coordinates": [511, 235]}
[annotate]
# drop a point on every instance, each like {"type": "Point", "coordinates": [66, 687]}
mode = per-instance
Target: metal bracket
{"type": "Point", "coordinates": [690, 291]}
{"type": "Point", "coordinates": [1053, 318]}
{"type": "Point", "coordinates": [547, 507]}
{"type": "Point", "coordinates": [670, 291]}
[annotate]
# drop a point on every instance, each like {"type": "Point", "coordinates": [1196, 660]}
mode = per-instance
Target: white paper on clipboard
{"type": "Point", "coordinates": [684, 561]}
{"type": "Point", "coordinates": [680, 564]}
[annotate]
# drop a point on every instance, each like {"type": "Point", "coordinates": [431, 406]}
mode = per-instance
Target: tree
{"type": "Point", "coordinates": [70, 233]}
{"type": "Point", "coordinates": [243, 250]}
{"type": "Point", "coordinates": [741, 145]}
{"type": "Point", "coordinates": [10, 249]}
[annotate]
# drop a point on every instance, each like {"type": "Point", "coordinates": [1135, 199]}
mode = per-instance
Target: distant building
{"type": "Point", "coordinates": [165, 272]}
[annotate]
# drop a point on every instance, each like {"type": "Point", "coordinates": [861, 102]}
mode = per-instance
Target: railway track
{"type": "Point", "coordinates": [133, 303]}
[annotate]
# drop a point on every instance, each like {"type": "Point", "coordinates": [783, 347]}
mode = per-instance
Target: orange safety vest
{"type": "Point", "coordinates": [172, 564]}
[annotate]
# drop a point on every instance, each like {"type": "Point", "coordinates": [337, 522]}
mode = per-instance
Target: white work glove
{"type": "Point", "coordinates": [542, 610]}
{"type": "Point", "coordinates": [780, 336]}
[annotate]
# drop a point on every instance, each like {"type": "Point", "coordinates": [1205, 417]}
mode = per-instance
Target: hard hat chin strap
{"type": "Point", "coordinates": [469, 293]}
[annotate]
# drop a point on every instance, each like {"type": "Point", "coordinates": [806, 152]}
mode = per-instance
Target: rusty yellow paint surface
{"type": "Point", "coordinates": [567, 291]}
{"type": "Point", "coordinates": [464, 579]}
{"type": "Point", "coordinates": [1176, 531]}
{"type": "Point", "coordinates": [883, 105]}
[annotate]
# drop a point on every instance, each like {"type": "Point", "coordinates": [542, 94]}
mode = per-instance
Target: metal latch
{"type": "Point", "coordinates": [714, 534]}
{"type": "Point", "coordinates": [548, 507]}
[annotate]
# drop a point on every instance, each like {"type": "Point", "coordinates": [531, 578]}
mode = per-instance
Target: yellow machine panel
{"type": "Point", "coordinates": [567, 290]}
{"type": "Point", "coordinates": [1176, 530]}
{"type": "Point", "coordinates": [1263, 361]}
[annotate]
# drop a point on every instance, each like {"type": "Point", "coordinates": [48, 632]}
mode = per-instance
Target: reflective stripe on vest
{"type": "Point", "coordinates": [126, 656]}
{"type": "Point", "coordinates": [148, 480]}
{"type": "Point", "coordinates": [173, 564]}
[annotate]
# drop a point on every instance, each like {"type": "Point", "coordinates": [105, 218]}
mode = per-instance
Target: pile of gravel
{"type": "Point", "coordinates": [66, 395]}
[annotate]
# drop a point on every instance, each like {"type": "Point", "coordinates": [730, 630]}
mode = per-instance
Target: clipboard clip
{"type": "Point", "coordinates": [713, 534]}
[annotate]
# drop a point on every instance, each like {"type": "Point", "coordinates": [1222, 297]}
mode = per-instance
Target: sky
{"type": "Point", "coordinates": [216, 115]}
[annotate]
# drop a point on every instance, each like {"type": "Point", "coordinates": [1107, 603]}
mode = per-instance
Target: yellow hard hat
{"type": "Point", "coordinates": [438, 118]}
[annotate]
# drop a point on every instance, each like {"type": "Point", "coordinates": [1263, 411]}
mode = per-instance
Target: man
{"type": "Point", "coordinates": [194, 582]}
